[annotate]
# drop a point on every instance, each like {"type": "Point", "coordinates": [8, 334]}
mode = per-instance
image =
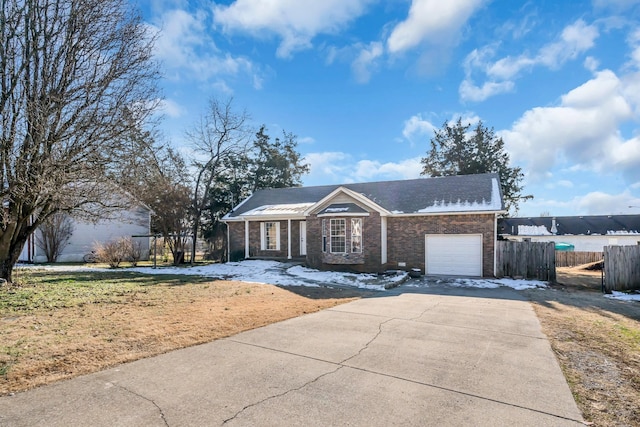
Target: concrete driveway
{"type": "Point", "coordinates": [433, 358]}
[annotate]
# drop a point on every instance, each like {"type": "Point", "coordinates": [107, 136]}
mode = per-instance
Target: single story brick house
{"type": "Point", "coordinates": [442, 226]}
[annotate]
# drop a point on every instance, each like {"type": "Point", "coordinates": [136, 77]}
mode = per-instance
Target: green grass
{"type": "Point", "coordinates": [630, 335]}
{"type": "Point", "coordinates": [49, 290]}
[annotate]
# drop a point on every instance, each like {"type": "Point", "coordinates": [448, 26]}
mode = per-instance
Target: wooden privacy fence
{"type": "Point", "coordinates": [571, 259]}
{"type": "Point", "coordinates": [530, 260]}
{"type": "Point", "coordinates": [621, 268]}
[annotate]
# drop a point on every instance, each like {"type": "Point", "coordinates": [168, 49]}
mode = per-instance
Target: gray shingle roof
{"type": "Point", "coordinates": [572, 225]}
{"type": "Point", "coordinates": [461, 193]}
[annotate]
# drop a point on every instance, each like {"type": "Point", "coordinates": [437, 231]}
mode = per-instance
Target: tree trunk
{"type": "Point", "coordinates": [196, 225]}
{"type": "Point", "coordinates": [9, 255]}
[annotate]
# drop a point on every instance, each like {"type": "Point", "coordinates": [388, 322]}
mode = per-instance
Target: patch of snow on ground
{"type": "Point", "coordinates": [518, 285]}
{"type": "Point", "coordinates": [283, 274]}
{"type": "Point", "coordinates": [623, 296]}
{"type": "Point", "coordinates": [255, 271]}
{"type": "Point", "coordinates": [363, 281]}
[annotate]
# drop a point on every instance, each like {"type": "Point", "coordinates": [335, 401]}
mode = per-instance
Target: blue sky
{"type": "Point", "coordinates": [363, 84]}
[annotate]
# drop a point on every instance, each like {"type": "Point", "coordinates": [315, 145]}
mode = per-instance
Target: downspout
{"type": "Point", "coordinates": [289, 238]}
{"type": "Point", "coordinates": [246, 238]}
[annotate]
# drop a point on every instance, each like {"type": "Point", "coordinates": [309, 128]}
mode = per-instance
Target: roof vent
{"type": "Point", "coordinates": [554, 229]}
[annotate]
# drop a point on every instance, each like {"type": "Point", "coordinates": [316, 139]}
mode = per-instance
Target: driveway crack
{"type": "Point", "coordinates": [368, 343]}
{"type": "Point", "coordinates": [275, 396]}
{"type": "Point", "coordinates": [162, 415]}
{"type": "Point", "coordinates": [339, 367]}
{"type": "Point", "coordinates": [415, 319]}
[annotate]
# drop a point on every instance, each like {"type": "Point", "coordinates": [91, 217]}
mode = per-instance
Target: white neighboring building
{"type": "Point", "coordinates": [589, 233]}
{"type": "Point", "coordinates": [134, 222]}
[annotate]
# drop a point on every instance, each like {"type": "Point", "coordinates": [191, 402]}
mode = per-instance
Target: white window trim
{"type": "Point", "coordinates": [331, 236]}
{"type": "Point", "coordinates": [263, 236]}
{"type": "Point", "coordinates": [325, 243]}
{"type": "Point", "coordinates": [353, 235]}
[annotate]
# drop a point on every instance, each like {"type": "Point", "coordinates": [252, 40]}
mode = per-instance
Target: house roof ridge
{"type": "Point", "coordinates": [347, 184]}
{"type": "Point", "coordinates": [425, 195]}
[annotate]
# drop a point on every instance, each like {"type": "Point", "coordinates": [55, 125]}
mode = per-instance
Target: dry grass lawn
{"type": "Point", "coordinates": [59, 325]}
{"type": "Point", "coordinates": [597, 342]}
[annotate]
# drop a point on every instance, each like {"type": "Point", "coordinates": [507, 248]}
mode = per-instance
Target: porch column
{"type": "Point", "coordinates": [383, 239]}
{"type": "Point", "coordinates": [246, 238]}
{"type": "Point", "coordinates": [495, 245]}
{"type": "Point", "coordinates": [289, 239]}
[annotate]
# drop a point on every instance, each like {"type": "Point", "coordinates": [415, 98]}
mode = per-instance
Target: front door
{"type": "Point", "coordinates": [303, 238]}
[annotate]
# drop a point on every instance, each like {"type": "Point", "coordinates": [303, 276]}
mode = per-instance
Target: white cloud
{"type": "Point", "coordinates": [582, 131]}
{"type": "Point", "coordinates": [326, 167]}
{"type": "Point", "coordinates": [470, 92]}
{"type": "Point", "coordinates": [574, 40]}
{"type": "Point", "coordinates": [184, 46]}
{"type": "Point", "coordinates": [295, 22]}
{"type": "Point", "coordinates": [593, 203]}
{"type": "Point", "coordinates": [171, 108]}
{"type": "Point", "coordinates": [434, 21]}
{"type": "Point", "coordinates": [306, 140]}
{"type": "Point", "coordinates": [366, 61]}
{"type": "Point", "coordinates": [372, 170]}
{"type": "Point", "coordinates": [634, 42]}
{"type": "Point", "coordinates": [562, 183]}
{"type": "Point", "coordinates": [599, 203]}
{"type": "Point", "coordinates": [416, 127]}
{"type": "Point", "coordinates": [338, 167]}
{"type": "Point", "coordinates": [591, 64]}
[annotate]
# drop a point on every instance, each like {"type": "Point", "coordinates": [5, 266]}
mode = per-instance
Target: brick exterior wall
{"type": "Point", "coordinates": [367, 261]}
{"type": "Point", "coordinates": [237, 242]}
{"type": "Point", "coordinates": [406, 237]}
{"type": "Point", "coordinates": [405, 241]}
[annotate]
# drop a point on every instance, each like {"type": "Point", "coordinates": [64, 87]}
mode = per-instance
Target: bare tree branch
{"type": "Point", "coordinates": [73, 75]}
{"type": "Point", "coordinates": [218, 135]}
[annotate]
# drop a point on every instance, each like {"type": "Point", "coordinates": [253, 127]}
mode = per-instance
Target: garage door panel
{"type": "Point", "coordinates": [454, 254]}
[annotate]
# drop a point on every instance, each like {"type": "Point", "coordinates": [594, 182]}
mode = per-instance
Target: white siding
{"type": "Point", "coordinates": [85, 235]}
{"type": "Point", "coordinates": [592, 243]}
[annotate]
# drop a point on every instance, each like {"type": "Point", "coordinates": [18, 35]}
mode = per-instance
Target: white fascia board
{"type": "Point", "coordinates": [264, 218]}
{"type": "Point", "coordinates": [226, 217]}
{"type": "Point", "coordinates": [357, 196]}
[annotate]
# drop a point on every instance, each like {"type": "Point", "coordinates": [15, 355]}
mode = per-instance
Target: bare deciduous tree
{"type": "Point", "coordinates": [220, 134]}
{"type": "Point", "coordinates": [74, 76]}
{"type": "Point", "coordinates": [157, 180]}
{"type": "Point", "coordinates": [54, 234]}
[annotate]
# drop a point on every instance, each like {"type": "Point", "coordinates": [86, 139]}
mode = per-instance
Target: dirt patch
{"type": "Point", "coordinates": [42, 345]}
{"type": "Point", "coordinates": [597, 342]}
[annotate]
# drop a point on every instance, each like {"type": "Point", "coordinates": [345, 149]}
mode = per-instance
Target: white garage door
{"type": "Point", "coordinates": [454, 254]}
